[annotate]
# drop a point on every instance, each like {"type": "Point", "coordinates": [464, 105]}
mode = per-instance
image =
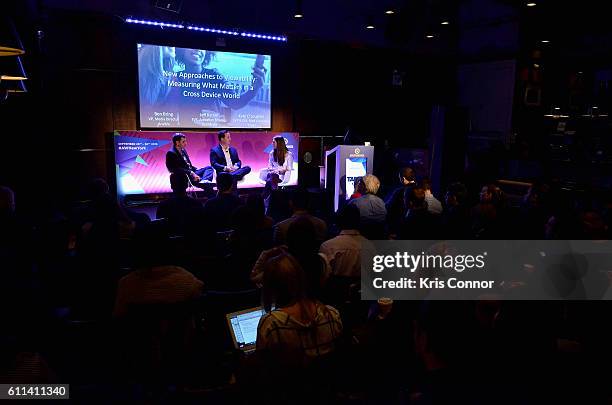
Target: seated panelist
{"type": "Point", "coordinates": [224, 158]}
{"type": "Point", "coordinates": [177, 161]}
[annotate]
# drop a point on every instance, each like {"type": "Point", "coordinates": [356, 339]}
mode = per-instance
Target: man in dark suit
{"type": "Point", "coordinates": [177, 161]}
{"type": "Point", "coordinates": [224, 158]}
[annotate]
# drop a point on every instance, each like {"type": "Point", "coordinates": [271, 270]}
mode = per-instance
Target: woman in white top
{"type": "Point", "coordinates": [280, 164]}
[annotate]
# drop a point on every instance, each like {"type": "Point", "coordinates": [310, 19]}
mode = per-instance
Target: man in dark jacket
{"type": "Point", "coordinates": [177, 161]}
{"type": "Point", "coordinates": [224, 158]}
{"type": "Point", "coordinates": [396, 208]}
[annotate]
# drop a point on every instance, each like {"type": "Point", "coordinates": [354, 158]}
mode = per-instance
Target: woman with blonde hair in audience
{"type": "Point", "coordinates": [297, 329]}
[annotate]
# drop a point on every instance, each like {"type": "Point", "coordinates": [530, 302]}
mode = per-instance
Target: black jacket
{"type": "Point", "coordinates": [177, 164]}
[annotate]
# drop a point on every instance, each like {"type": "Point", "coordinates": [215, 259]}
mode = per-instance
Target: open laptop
{"type": "Point", "coordinates": [243, 328]}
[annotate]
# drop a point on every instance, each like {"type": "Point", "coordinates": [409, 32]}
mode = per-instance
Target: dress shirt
{"type": "Point", "coordinates": [344, 252]}
{"type": "Point", "coordinates": [228, 158]}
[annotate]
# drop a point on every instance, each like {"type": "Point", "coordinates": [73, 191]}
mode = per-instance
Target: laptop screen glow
{"type": "Point", "coordinates": [244, 326]}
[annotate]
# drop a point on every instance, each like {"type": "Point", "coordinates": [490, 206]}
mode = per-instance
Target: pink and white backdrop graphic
{"type": "Point", "coordinates": [140, 157]}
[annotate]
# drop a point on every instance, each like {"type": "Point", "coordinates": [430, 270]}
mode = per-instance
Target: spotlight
{"type": "Point", "coordinates": [545, 41]}
{"type": "Point", "coordinates": [298, 9]}
{"type": "Point", "coordinates": [429, 36]}
{"type": "Point", "coordinates": [389, 12]}
{"type": "Point", "coordinates": [532, 4]}
{"type": "Point", "coordinates": [370, 23]}
{"type": "Point", "coordinates": [444, 23]}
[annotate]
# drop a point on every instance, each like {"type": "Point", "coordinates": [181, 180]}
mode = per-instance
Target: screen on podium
{"type": "Point", "coordinates": [355, 167]}
{"type": "Point", "coordinates": [344, 164]}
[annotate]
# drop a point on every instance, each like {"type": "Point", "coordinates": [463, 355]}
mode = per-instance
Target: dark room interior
{"type": "Point", "coordinates": [330, 143]}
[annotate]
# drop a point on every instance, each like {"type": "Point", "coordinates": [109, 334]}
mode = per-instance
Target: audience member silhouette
{"type": "Point", "coordinates": [419, 223]}
{"type": "Point", "coordinates": [180, 210]}
{"type": "Point", "coordinates": [218, 210]}
{"type": "Point", "coordinates": [299, 205]}
{"type": "Point", "coordinates": [372, 210]}
{"type": "Point", "coordinates": [156, 280]}
{"type": "Point", "coordinates": [395, 204]}
{"type": "Point", "coordinates": [456, 215]}
{"type": "Point", "coordinates": [488, 214]}
{"type": "Point", "coordinates": [344, 251]}
{"type": "Point", "coordinates": [433, 204]}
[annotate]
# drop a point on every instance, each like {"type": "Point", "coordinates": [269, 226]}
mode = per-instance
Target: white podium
{"type": "Point", "coordinates": [343, 164]}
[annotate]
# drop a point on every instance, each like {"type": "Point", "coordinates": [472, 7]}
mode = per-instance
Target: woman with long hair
{"type": "Point", "coordinates": [280, 165]}
{"type": "Point", "coordinates": [300, 329]}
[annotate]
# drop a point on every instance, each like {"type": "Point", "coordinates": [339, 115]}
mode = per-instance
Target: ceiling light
{"type": "Point", "coordinates": [389, 12]}
{"type": "Point", "coordinates": [298, 9]}
{"type": "Point", "coordinates": [429, 36]}
{"type": "Point", "coordinates": [545, 41]}
{"type": "Point", "coordinates": [370, 23]}
{"type": "Point", "coordinates": [532, 4]}
{"type": "Point", "coordinates": [444, 23]}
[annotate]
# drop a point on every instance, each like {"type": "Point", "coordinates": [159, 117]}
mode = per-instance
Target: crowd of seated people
{"type": "Point", "coordinates": [318, 342]}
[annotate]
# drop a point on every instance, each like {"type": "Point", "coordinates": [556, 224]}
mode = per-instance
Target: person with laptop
{"type": "Point", "coordinates": [296, 339]}
{"type": "Point", "coordinates": [299, 330]}
{"type": "Point", "coordinates": [289, 354]}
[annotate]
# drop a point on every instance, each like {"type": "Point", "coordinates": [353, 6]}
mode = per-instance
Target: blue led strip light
{"type": "Point", "coordinates": [155, 23]}
{"type": "Point", "coordinates": [211, 30]}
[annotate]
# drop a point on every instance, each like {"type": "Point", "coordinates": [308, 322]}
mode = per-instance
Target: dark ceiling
{"type": "Point", "coordinates": [574, 29]}
{"type": "Point", "coordinates": [336, 20]}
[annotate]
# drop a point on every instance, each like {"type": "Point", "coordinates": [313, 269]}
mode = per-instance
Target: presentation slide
{"type": "Point", "coordinates": [197, 88]}
{"type": "Point", "coordinates": [140, 157]}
